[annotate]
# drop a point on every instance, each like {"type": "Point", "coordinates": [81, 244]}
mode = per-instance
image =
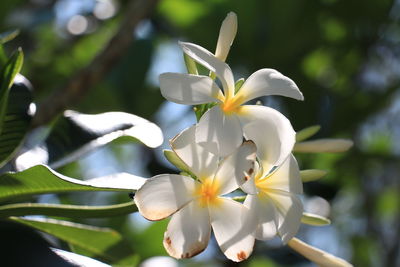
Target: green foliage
{"type": "Point", "coordinates": [42, 180]}
{"type": "Point", "coordinates": [312, 175]}
{"type": "Point", "coordinates": [70, 211]}
{"type": "Point", "coordinates": [314, 219]}
{"type": "Point", "coordinates": [307, 133]}
{"type": "Point", "coordinates": [173, 158]}
{"type": "Point", "coordinates": [16, 120]}
{"type": "Point", "coordinates": [75, 134]}
{"type": "Point", "coordinates": [7, 74]}
{"type": "Point", "coordinates": [103, 242]}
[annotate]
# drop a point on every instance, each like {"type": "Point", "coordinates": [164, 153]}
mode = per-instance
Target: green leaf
{"type": "Point", "coordinates": [307, 133]}
{"type": "Point", "coordinates": [42, 180]}
{"type": "Point", "coordinates": [7, 74]}
{"type": "Point", "coordinates": [190, 64]}
{"type": "Point", "coordinates": [314, 219]}
{"type": "Point", "coordinates": [3, 56]}
{"type": "Point", "coordinates": [239, 84]}
{"type": "Point", "coordinates": [77, 259]}
{"type": "Point", "coordinates": [8, 36]}
{"type": "Point", "coordinates": [103, 242]}
{"type": "Point", "coordinates": [70, 211]}
{"type": "Point", "coordinates": [173, 158]}
{"type": "Point", "coordinates": [75, 134]}
{"type": "Point", "coordinates": [312, 175]}
{"type": "Point", "coordinates": [17, 118]}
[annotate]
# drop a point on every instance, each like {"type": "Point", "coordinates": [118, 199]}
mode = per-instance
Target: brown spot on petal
{"type": "Point", "coordinates": [241, 255]}
{"type": "Point", "coordinates": [168, 241]}
{"type": "Point", "coordinates": [246, 177]}
{"type": "Point", "coordinates": [251, 170]}
{"type": "Point", "coordinates": [185, 256]}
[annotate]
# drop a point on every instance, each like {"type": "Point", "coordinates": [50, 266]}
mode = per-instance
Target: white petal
{"type": "Point", "coordinates": [188, 231]}
{"type": "Point", "coordinates": [226, 36]}
{"type": "Point", "coordinates": [290, 210]}
{"type": "Point", "coordinates": [188, 89]}
{"type": "Point", "coordinates": [263, 210]}
{"type": "Point", "coordinates": [233, 229]}
{"type": "Point", "coordinates": [208, 60]}
{"type": "Point", "coordinates": [328, 145]}
{"type": "Point", "coordinates": [268, 82]}
{"type": "Point", "coordinates": [270, 131]}
{"type": "Point", "coordinates": [219, 133]}
{"type": "Point", "coordinates": [201, 162]}
{"type": "Point", "coordinates": [237, 168]}
{"type": "Point", "coordinates": [249, 186]}
{"type": "Point", "coordinates": [163, 195]}
{"type": "Point", "coordinates": [286, 177]}
{"type": "Point", "coordinates": [320, 257]}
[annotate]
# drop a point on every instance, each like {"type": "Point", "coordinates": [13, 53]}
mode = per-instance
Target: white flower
{"type": "Point", "coordinates": [272, 199]}
{"type": "Point", "coordinates": [198, 205]}
{"type": "Point", "coordinates": [220, 129]}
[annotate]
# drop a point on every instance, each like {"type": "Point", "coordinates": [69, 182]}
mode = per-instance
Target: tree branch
{"type": "Point", "coordinates": [84, 79]}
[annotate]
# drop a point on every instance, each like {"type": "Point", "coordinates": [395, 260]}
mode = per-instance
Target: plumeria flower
{"type": "Point", "coordinates": [198, 205]}
{"type": "Point", "coordinates": [273, 190]}
{"type": "Point", "coordinates": [220, 129]}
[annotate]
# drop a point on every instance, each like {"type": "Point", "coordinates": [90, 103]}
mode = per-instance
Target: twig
{"type": "Point", "coordinates": [76, 87]}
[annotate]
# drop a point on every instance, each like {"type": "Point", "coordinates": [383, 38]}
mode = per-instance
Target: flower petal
{"type": "Point", "coordinates": [290, 210]}
{"type": "Point", "coordinates": [233, 229]}
{"type": "Point", "coordinates": [188, 231]}
{"type": "Point", "coordinates": [262, 209]}
{"type": "Point", "coordinates": [219, 133]}
{"type": "Point", "coordinates": [320, 257]}
{"type": "Point", "coordinates": [188, 89]}
{"type": "Point", "coordinates": [163, 195]}
{"type": "Point", "coordinates": [237, 168]}
{"type": "Point", "coordinates": [226, 36]}
{"type": "Point", "coordinates": [268, 82]}
{"type": "Point", "coordinates": [249, 186]}
{"type": "Point", "coordinates": [286, 177]}
{"type": "Point", "coordinates": [271, 132]}
{"type": "Point", "coordinates": [208, 60]}
{"type": "Point", "coordinates": [201, 162]}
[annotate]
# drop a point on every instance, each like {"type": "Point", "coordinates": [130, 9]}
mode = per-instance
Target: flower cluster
{"type": "Point", "coordinates": [234, 146]}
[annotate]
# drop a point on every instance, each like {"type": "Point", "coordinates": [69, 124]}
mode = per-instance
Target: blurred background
{"type": "Point", "coordinates": [343, 55]}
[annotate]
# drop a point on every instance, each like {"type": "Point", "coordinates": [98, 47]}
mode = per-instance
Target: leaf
{"type": "Point", "coordinates": [307, 132]}
{"type": "Point", "coordinates": [320, 257]}
{"type": "Point", "coordinates": [190, 64]}
{"type": "Point", "coordinates": [327, 145]}
{"type": "Point", "coordinates": [314, 219]}
{"type": "Point", "coordinates": [42, 180]}
{"type": "Point", "coordinates": [17, 118]}
{"type": "Point", "coordinates": [77, 259]}
{"type": "Point", "coordinates": [173, 158]}
{"type": "Point", "coordinates": [239, 84]}
{"type": "Point", "coordinates": [75, 134]}
{"type": "Point", "coordinates": [312, 175]}
{"type": "Point", "coordinates": [70, 211]}
{"type": "Point", "coordinates": [3, 56]}
{"type": "Point", "coordinates": [103, 242]}
{"type": "Point", "coordinates": [7, 74]}
{"type": "Point", "coordinates": [8, 36]}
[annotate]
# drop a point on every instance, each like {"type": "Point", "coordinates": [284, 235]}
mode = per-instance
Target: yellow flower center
{"type": "Point", "coordinates": [260, 182]}
{"type": "Point", "coordinates": [207, 193]}
{"type": "Point", "coordinates": [231, 105]}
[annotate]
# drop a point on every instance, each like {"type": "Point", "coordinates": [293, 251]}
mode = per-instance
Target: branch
{"type": "Point", "coordinates": [84, 79]}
